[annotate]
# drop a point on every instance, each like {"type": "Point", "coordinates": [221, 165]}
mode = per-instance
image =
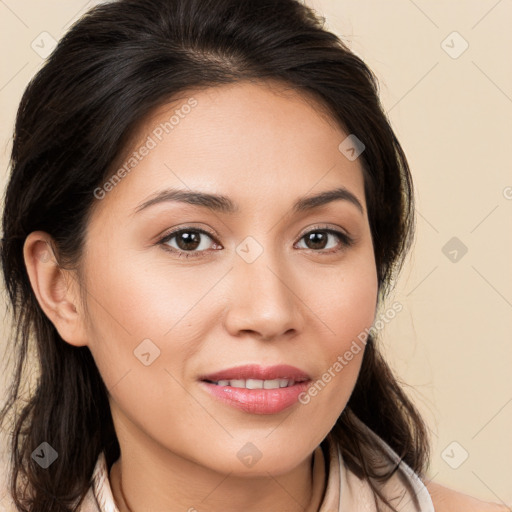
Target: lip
{"type": "Point", "coordinates": [257, 401]}
{"type": "Point", "coordinates": [255, 371]}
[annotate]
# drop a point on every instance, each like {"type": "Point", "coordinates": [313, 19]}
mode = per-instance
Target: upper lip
{"type": "Point", "coordinates": [255, 371]}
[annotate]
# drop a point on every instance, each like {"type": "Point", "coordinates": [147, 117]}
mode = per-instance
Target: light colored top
{"type": "Point", "coordinates": [343, 491]}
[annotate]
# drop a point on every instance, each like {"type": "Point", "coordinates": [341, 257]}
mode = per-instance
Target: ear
{"type": "Point", "coordinates": [56, 289]}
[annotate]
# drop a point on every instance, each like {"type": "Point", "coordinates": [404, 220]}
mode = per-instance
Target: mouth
{"type": "Point", "coordinates": [257, 389]}
{"type": "Point", "coordinates": [256, 383]}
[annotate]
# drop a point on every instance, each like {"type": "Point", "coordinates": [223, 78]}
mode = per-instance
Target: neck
{"type": "Point", "coordinates": [302, 493]}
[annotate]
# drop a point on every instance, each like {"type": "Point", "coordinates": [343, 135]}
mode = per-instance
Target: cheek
{"type": "Point", "coordinates": [143, 329]}
{"type": "Point", "coordinates": [135, 308]}
{"type": "Point", "coordinates": [345, 311]}
{"type": "Point", "coordinates": [347, 300]}
{"type": "Point", "coordinates": [149, 318]}
{"type": "Point", "coordinates": [142, 296]}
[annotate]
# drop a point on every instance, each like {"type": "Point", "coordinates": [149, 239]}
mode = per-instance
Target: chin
{"type": "Point", "coordinates": [253, 462]}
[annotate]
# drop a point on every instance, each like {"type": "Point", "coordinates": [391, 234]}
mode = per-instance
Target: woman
{"type": "Point", "coordinates": [206, 209]}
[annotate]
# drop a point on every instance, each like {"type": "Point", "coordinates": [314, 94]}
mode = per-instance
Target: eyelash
{"type": "Point", "coordinates": [345, 240]}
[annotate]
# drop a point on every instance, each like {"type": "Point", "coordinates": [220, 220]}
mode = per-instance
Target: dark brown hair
{"type": "Point", "coordinates": [116, 65]}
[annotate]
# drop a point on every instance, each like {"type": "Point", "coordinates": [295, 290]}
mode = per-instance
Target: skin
{"type": "Point", "coordinates": [263, 146]}
{"type": "Point", "coordinates": [294, 304]}
{"type": "Point", "coordinates": [449, 500]}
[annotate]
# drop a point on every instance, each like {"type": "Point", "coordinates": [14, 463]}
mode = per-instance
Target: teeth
{"type": "Point", "coordinates": [256, 383]}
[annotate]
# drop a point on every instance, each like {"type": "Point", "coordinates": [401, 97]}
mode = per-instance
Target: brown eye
{"type": "Point", "coordinates": [193, 242]}
{"type": "Point", "coordinates": [318, 239]}
{"type": "Point", "coordinates": [189, 241]}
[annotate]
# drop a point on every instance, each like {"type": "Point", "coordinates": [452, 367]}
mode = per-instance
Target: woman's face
{"type": "Point", "coordinates": [260, 283]}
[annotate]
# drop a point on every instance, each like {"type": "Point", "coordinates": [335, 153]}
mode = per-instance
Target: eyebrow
{"type": "Point", "coordinates": [223, 204]}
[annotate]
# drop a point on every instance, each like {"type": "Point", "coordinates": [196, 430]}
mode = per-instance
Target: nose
{"type": "Point", "coordinates": [263, 299]}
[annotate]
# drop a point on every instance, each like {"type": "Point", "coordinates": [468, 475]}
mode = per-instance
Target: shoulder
{"type": "Point", "coordinates": [449, 500]}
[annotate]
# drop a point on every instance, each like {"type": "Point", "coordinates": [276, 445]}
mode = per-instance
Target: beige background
{"type": "Point", "coordinates": [452, 112]}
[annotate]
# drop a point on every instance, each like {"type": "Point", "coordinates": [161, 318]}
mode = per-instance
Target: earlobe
{"type": "Point", "coordinates": [56, 289]}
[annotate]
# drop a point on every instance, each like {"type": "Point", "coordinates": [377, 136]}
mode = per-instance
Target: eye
{"type": "Point", "coordinates": [318, 238]}
{"type": "Point", "coordinates": [192, 242]}
{"type": "Point", "coordinates": [189, 241]}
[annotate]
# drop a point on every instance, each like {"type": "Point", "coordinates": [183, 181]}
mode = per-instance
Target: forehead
{"type": "Point", "coordinates": [256, 142]}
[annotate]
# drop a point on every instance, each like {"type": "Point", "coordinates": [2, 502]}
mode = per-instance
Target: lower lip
{"type": "Point", "coordinates": [258, 401]}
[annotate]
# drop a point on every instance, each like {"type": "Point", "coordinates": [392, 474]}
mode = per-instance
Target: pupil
{"type": "Point", "coordinates": [317, 237]}
{"type": "Point", "coordinates": [191, 240]}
